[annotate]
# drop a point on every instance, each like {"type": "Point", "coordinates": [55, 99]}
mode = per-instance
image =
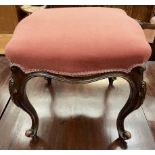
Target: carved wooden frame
{"type": "Point", "coordinates": [19, 79]}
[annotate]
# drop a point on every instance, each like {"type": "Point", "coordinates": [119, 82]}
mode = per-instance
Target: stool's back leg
{"type": "Point", "coordinates": [135, 100]}
{"type": "Point", "coordinates": [111, 80]}
{"type": "Point", "coordinates": [18, 94]}
{"type": "Point", "coordinates": [49, 80]}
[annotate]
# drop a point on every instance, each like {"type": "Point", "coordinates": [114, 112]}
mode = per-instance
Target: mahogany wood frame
{"type": "Point", "coordinates": [137, 85]}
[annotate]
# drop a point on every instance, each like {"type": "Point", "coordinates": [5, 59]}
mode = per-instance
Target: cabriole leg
{"type": "Point", "coordinates": [135, 100]}
{"type": "Point", "coordinates": [18, 94]}
{"type": "Point", "coordinates": [111, 80]}
{"type": "Point", "coordinates": [49, 80]}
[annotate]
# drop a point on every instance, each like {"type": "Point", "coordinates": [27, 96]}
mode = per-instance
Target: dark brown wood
{"type": "Point", "coordinates": [145, 25]}
{"type": "Point", "coordinates": [152, 58]}
{"type": "Point", "coordinates": [111, 80]}
{"type": "Point", "coordinates": [135, 100]}
{"type": "Point", "coordinates": [85, 119]}
{"type": "Point", "coordinates": [19, 97]}
{"type": "Point", "coordinates": [135, 78]}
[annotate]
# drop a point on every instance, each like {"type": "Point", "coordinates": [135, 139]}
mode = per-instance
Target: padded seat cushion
{"type": "Point", "coordinates": [78, 41]}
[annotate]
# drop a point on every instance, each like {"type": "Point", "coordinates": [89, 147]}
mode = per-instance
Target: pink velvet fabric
{"type": "Point", "coordinates": [78, 40]}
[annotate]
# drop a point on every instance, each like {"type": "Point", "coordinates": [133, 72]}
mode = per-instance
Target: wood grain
{"type": "Point", "coordinates": [75, 117]}
{"type": "Point", "coordinates": [149, 106]}
{"type": "Point", "coordinates": [8, 18]}
{"type": "Point", "coordinates": [4, 78]}
{"type": "Point", "coordinates": [4, 39]}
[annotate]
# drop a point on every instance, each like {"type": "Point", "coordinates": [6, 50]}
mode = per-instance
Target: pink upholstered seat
{"type": "Point", "coordinates": [77, 41]}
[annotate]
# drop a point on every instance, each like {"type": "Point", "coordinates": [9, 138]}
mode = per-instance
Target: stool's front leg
{"type": "Point", "coordinates": [135, 100]}
{"type": "Point", "coordinates": [18, 94]}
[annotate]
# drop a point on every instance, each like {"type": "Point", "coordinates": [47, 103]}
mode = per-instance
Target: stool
{"type": "Point", "coordinates": [80, 45]}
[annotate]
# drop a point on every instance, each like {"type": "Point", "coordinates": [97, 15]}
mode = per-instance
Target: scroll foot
{"type": "Point", "coordinates": [135, 100]}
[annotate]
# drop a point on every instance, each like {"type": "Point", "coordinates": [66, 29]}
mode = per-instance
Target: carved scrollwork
{"type": "Point", "coordinates": [142, 92]}
{"type": "Point", "coordinates": [18, 95]}
{"type": "Point", "coordinates": [135, 79]}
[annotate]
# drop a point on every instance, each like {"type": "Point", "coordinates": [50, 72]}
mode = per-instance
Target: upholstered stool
{"type": "Point", "coordinates": [78, 45]}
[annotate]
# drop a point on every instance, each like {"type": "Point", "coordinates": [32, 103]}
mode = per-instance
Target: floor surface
{"type": "Point", "coordinates": [76, 116]}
